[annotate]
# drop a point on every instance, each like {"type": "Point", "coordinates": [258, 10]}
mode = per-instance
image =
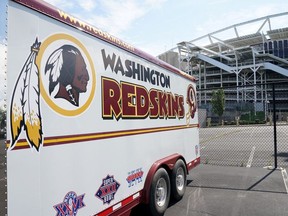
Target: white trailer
{"type": "Point", "coordinates": [95, 126]}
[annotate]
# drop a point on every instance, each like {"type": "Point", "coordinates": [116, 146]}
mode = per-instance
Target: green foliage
{"type": "Point", "coordinates": [218, 102]}
{"type": "Point", "coordinates": [2, 117]}
{"type": "Point", "coordinates": [2, 123]}
{"type": "Point", "coordinates": [250, 117]}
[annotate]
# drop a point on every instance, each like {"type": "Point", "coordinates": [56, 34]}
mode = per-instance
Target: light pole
{"type": "Point", "coordinates": [267, 109]}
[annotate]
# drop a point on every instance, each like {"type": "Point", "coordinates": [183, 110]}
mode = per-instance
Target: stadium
{"type": "Point", "coordinates": [244, 60]}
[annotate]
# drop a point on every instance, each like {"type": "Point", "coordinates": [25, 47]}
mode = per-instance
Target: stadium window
{"type": "Point", "coordinates": [280, 45]}
{"type": "Point", "coordinates": [285, 49]}
{"type": "Point", "coordinates": [275, 50]}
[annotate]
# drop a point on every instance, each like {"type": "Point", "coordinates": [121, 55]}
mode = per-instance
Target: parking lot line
{"type": "Point", "coordinates": [249, 163]}
{"type": "Point", "coordinates": [285, 178]}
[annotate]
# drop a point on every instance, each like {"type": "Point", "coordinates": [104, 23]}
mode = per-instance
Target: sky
{"type": "Point", "coordinates": [156, 26]}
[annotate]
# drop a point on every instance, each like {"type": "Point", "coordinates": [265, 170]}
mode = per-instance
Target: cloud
{"type": "Point", "coordinates": [119, 15]}
{"type": "Point", "coordinates": [112, 16]}
{"type": "Point", "coordinates": [241, 15]}
{"type": "Point", "coordinates": [152, 4]}
{"type": "Point", "coordinates": [87, 5]}
{"type": "Point", "coordinates": [64, 5]}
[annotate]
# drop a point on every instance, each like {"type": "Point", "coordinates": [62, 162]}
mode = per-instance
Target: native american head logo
{"type": "Point", "coordinates": [67, 68]}
{"type": "Point", "coordinates": [191, 100]}
{"type": "Point", "coordinates": [58, 68]}
{"type": "Point", "coordinates": [67, 75]}
{"type": "Point", "coordinates": [25, 107]}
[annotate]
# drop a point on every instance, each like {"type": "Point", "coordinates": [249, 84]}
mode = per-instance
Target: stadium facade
{"type": "Point", "coordinates": [243, 59]}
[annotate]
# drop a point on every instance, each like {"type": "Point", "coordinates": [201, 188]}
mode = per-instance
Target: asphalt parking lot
{"type": "Point", "coordinates": [230, 191]}
{"type": "Point", "coordinates": [233, 191]}
{"type": "Point", "coordinates": [251, 146]}
{"type": "Point", "coordinates": [232, 180]}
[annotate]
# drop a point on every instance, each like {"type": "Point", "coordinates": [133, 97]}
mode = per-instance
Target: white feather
{"type": "Point", "coordinates": [16, 111]}
{"type": "Point", "coordinates": [55, 62]}
{"type": "Point", "coordinates": [31, 108]}
{"type": "Point", "coordinates": [25, 107]}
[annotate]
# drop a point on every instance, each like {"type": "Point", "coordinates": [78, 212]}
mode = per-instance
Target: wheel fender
{"type": "Point", "coordinates": [168, 163]}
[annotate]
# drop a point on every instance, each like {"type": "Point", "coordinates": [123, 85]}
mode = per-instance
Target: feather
{"type": "Point", "coordinates": [31, 107]}
{"type": "Point", "coordinates": [54, 65]}
{"type": "Point", "coordinates": [16, 111]}
{"type": "Point", "coordinates": [25, 107]}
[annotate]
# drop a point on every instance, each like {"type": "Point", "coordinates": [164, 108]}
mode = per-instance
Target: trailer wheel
{"type": "Point", "coordinates": [178, 180]}
{"type": "Point", "coordinates": [159, 193]}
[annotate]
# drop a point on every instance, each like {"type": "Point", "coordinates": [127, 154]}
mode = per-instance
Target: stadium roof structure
{"type": "Point", "coordinates": [236, 38]}
{"type": "Point", "coordinates": [241, 35]}
{"type": "Point", "coordinates": [252, 52]}
{"type": "Point", "coordinates": [235, 42]}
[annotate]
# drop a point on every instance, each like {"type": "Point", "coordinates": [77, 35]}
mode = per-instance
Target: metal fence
{"type": "Point", "coordinates": [253, 129]}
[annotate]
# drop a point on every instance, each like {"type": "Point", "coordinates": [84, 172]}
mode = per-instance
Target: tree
{"type": "Point", "coordinates": [218, 102]}
{"type": "Point", "coordinates": [2, 122]}
{"type": "Point", "coordinates": [2, 116]}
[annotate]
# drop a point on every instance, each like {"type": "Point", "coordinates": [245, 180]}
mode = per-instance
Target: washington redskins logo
{"type": "Point", "coordinates": [67, 74]}
{"type": "Point", "coordinates": [191, 100]}
{"type": "Point", "coordinates": [60, 70]}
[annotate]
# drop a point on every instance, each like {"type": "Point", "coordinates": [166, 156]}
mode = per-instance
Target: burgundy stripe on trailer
{"type": "Point", "coordinates": [76, 138]}
{"type": "Point", "coordinates": [193, 163]}
{"type": "Point", "coordinates": [123, 206]}
{"type": "Point", "coordinates": [68, 19]}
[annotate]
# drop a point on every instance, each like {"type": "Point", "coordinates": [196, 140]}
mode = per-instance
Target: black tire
{"type": "Point", "coordinates": [178, 180]}
{"type": "Point", "coordinates": [159, 193]}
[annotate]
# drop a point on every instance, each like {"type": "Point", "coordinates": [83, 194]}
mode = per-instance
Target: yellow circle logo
{"type": "Point", "coordinates": [67, 74]}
